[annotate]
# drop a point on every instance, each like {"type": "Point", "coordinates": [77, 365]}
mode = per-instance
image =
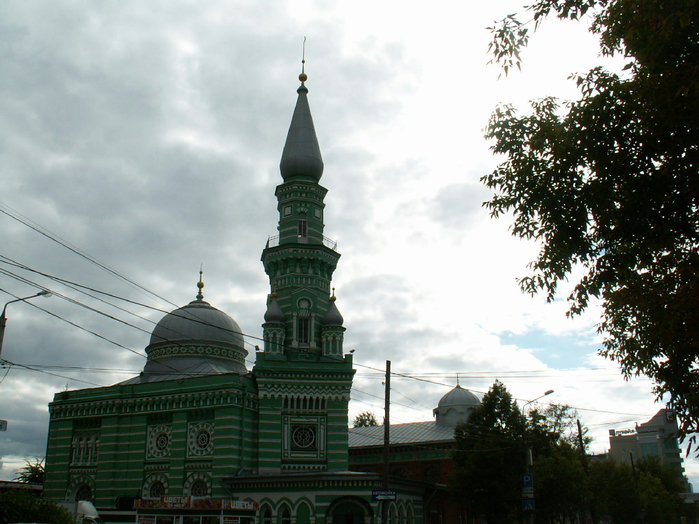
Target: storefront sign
{"type": "Point", "coordinates": [195, 503]}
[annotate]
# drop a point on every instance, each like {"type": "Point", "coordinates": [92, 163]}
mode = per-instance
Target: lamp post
{"type": "Point", "coordinates": [3, 319]}
{"type": "Point", "coordinates": [527, 479]}
{"type": "Point", "coordinates": [528, 457]}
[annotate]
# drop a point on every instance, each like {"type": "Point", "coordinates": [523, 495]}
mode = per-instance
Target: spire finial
{"type": "Point", "coordinates": [274, 291]}
{"type": "Point", "coordinates": [303, 76]}
{"type": "Point", "coordinates": [332, 298]}
{"type": "Point", "coordinates": [200, 284]}
{"type": "Point", "coordinates": [457, 381]}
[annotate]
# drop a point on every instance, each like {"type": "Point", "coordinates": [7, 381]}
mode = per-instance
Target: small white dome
{"type": "Point", "coordinates": [455, 406]}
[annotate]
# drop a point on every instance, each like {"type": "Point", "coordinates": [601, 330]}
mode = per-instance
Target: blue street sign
{"type": "Point", "coordinates": [383, 494]}
{"type": "Point", "coordinates": [527, 479]}
{"type": "Point", "coordinates": [527, 504]}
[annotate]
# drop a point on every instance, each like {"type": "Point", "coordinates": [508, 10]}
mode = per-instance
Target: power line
{"type": "Point", "coordinates": [15, 215]}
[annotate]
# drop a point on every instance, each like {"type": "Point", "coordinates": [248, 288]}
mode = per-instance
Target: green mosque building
{"type": "Point", "coordinates": [196, 437]}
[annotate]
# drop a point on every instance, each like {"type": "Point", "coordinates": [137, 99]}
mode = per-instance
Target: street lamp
{"type": "Point", "coordinates": [527, 479]}
{"type": "Point", "coordinates": [537, 398]}
{"type": "Point", "coordinates": [3, 319]}
{"type": "Point", "coordinates": [528, 457]}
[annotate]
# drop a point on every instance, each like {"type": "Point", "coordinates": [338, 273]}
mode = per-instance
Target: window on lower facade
{"type": "Point", "coordinates": [303, 438]}
{"type": "Point", "coordinates": [285, 517]}
{"type": "Point", "coordinates": [84, 493]}
{"type": "Point", "coordinates": [198, 489]}
{"type": "Point", "coordinates": [157, 490]}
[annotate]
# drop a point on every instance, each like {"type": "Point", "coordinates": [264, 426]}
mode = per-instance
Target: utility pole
{"type": "Point", "coordinates": [386, 440]}
{"type": "Point", "coordinates": [586, 468]}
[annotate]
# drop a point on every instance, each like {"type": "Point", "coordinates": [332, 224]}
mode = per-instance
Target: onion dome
{"type": "Point", "coordinates": [274, 313]}
{"type": "Point", "coordinates": [332, 316]}
{"type": "Point", "coordinates": [455, 406]}
{"type": "Point", "coordinates": [301, 158]}
{"type": "Point", "coordinates": [196, 339]}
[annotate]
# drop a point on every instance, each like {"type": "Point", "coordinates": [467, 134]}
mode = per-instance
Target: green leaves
{"type": "Point", "coordinates": [509, 38]}
{"type": "Point", "coordinates": [609, 184]}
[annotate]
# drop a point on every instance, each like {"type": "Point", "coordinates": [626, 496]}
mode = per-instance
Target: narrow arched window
{"type": "Point", "coordinates": [303, 330]}
{"type": "Point", "coordinates": [266, 516]}
{"type": "Point", "coordinates": [285, 517]}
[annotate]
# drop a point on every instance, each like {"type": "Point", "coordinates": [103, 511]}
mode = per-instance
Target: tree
{"type": "Point", "coordinates": [652, 496]}
{"type": "Point", "coordinates": [560, 480]}
{"type": "Point", "coordinates": [560, 484]}
{"type": "Point", "coordinates": [366, 418]}
{"type": "Point", "coordinates": [32, 472]}
{"type": "Point", "coordinates": [489, 457]}
{"type": "Point", "coordinates": [22, 506]}
{"type": "Point", "coordinates": [608, 185]}
{"type": "Point", "coordinates": [613, 492]}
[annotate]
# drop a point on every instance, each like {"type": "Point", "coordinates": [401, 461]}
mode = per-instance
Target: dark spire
{"type": "Point", "coordinates": [301, 157]}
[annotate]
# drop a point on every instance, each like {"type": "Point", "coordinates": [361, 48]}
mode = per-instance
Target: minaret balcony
{"type": "Point", "coordinates": [327, 242]}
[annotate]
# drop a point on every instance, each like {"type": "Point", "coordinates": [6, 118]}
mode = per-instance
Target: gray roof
{"type": "Point", "coordinates": [301, 156]}
{"type": "Point", "coordinates": [179, 372]}
{"type": "Point", "coordinates": [274, 313]}
{"type": "Point", "coordinates": [198, 321]}
{"type": "Point", "coordinates": [411, 433]}
{"type": "Point", "coordinates": [459, 397]}
{"type": "Point", "coordinates": [333, 316]}
{"type": "Point", "coordinates": [194, 340]}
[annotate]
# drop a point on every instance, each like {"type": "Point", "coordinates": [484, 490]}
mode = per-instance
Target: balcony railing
{"type": "Point", "coordinates": [327, 242]}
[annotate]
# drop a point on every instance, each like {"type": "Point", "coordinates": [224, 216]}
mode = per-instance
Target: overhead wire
{"type": "Point", "coordinates": [15, 215]}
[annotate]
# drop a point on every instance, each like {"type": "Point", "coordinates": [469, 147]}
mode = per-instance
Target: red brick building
{"type": "Point", "coordinates": [419, 451]}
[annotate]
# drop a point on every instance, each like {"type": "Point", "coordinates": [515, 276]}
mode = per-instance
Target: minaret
{"type": "Point", "coordinates": [303, 378]}
{"type": "Point", "coordinates": [300, 260]}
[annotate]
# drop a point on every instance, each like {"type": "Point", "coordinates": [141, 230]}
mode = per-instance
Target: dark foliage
{"type": "Point", "coordinates": [23, 506]}
{"type": "Point", "coordinates": [32, 472]}
{"type": "Point", "coordinates": [609, 184]}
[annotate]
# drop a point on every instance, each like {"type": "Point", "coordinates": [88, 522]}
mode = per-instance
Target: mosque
{"type": "Point", "coordinates": [196, 438]}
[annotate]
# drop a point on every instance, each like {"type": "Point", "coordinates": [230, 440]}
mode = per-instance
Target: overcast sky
{"type": "Point", "coordinates": [147, 137]}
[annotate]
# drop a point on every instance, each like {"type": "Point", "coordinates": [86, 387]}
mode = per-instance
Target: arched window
{"type": "Point", "coordinates": [84, 492]}
{"type": "Point", "coordinates": [157, 490]}
{"type": "Point", "coordinates": [303, 330]}
{"type": "Point", "coordinates": [199, 488]}
{"type": "Point", "coordinates": [303, 514]}
{"type": "Point", "coordinates": [392, 514]}
{"type": "Point", "coordinates": [76, 450]}
{"type": "Point", "coordinates": [266, 516]}
{"type": "Point", "coordinates": [285, 515]}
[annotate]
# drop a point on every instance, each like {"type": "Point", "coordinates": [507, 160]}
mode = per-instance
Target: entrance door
{"type": "Point", "coordinates": [349, 512]}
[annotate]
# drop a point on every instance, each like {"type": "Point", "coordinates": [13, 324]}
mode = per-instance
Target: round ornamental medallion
{"type": "Point", "coordinates": [159, 441]}
{"type": "Point", "coordinates": [304, 436]}
{"type": "Point", "coordinates": [203, 438]}
{"type": "Point", "coordinates": [200, 439]}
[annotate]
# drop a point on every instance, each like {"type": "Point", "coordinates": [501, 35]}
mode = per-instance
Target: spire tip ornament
{"type": "Point", "coordinates": [200, 284]}
{"type": "Point", "coordinates": [303, 76]}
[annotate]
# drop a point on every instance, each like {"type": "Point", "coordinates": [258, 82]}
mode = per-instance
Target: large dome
{"type": "Point", "coordinates": [455, 406]}
{"type": "Point", "coordinates": [196, 339]}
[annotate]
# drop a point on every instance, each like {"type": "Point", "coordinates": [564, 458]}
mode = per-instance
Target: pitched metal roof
{"type": "Point", "coordinates": [411, 433]}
